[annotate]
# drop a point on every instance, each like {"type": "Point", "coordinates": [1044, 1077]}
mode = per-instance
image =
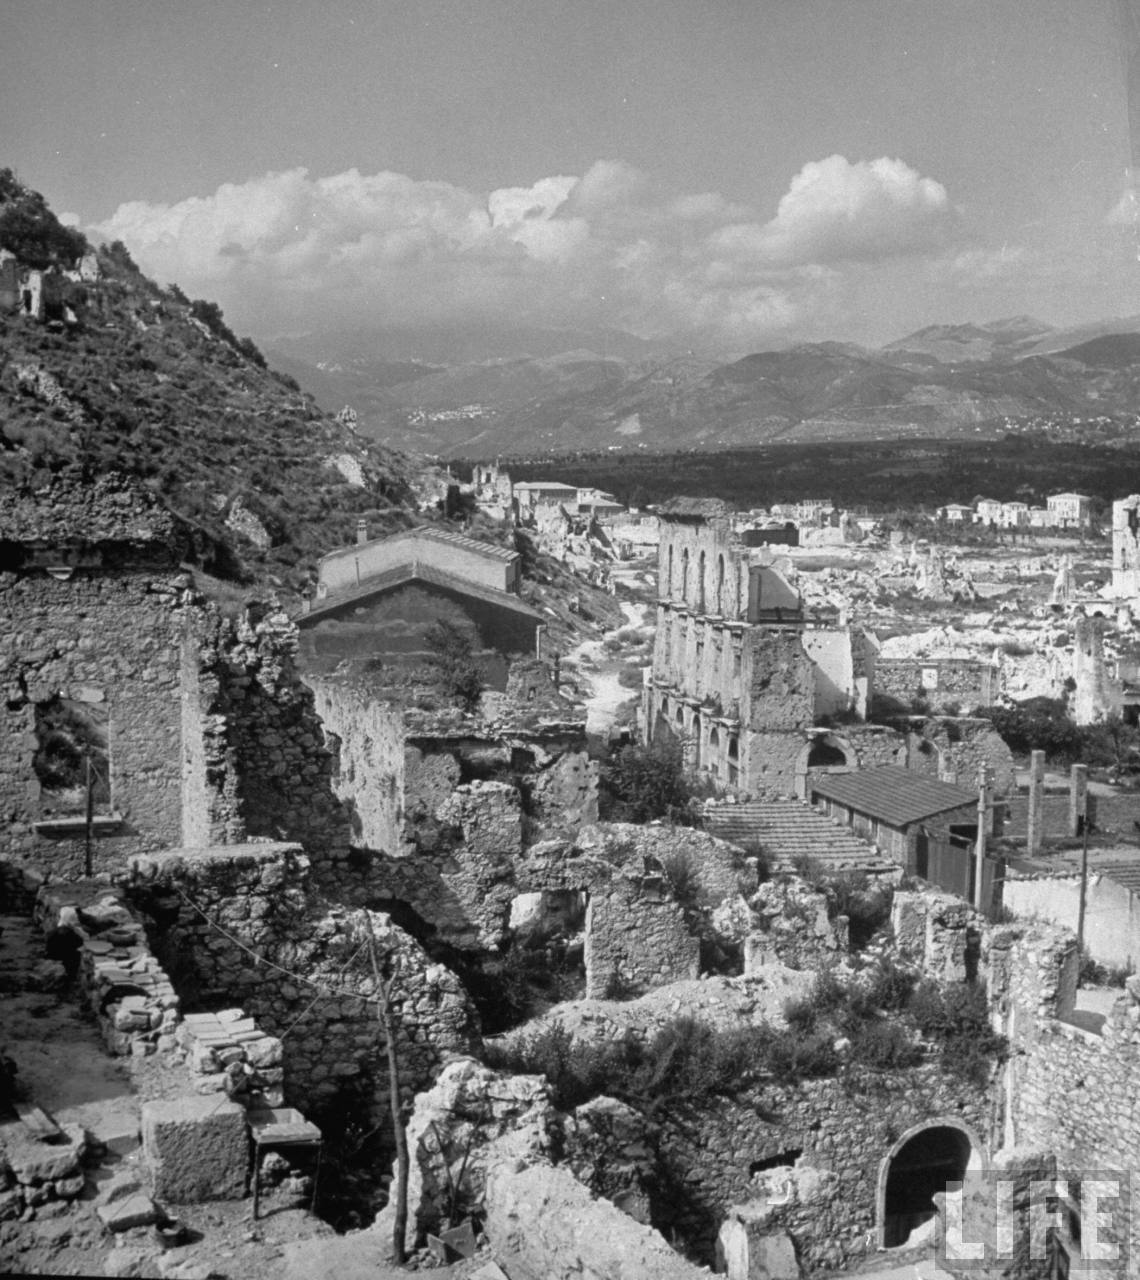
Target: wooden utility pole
{"type": "Point", "coordinates": [88, 861]}
{"type": "Point", "coordinates": [980, 838]}
{"type": "Point", "coordinates": [388, 1023]}
{"type": "Point", "coordinates": [1084, 890]}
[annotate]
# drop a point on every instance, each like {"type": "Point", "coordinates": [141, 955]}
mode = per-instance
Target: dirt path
{"type": "Point", "coordinates": [605, 694]}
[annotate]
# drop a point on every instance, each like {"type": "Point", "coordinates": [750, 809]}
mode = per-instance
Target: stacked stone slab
{"type": "Point", "coordinates": [226, 1052]}
{"type": "Point", "coordinates": [127, 990]}
{"type": "Point", "coordinates": [34, 1173]}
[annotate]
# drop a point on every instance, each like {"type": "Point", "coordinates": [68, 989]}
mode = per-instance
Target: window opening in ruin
{"type": "Point", "coordinates": [785, 1160]}
{"type": "Point", "coordinates": [669, 575]}
{"type": "Point", "coordinates": [720, 584]}
{"type": "Point", "coordinates": [71, 736]}
{"type": "Point", "coordinates": [825, 755]}
{"type": "Point", "coordinates": [921, 1168]}
{"type": "Point", "coordinates": [736, 664]}
{"type": "Point", "coordinates": [685, 575]}
{"type": "Point", "coordinates": [701, 583]}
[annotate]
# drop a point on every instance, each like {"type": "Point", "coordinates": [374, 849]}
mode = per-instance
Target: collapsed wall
{"type": "Point", "coordinates": [242, 925]}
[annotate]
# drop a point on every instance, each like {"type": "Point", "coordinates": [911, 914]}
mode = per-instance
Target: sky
{"type": "Point", "coordinates": [714, 174]}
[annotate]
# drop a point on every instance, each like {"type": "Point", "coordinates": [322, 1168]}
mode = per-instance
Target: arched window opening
{"type": "Point", "coordinates": [720, 584]}
{"type": "Point", "coordinates": [701, 583]}
{"type": "Point", "coordinates": [685, 575]}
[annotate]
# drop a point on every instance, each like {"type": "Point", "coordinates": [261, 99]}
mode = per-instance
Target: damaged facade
{"type": "Point", "coordinates": [745, 679]}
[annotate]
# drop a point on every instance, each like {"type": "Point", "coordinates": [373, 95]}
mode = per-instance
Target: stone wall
{"type": "Point", "coordinates": [109, 638]}
{"type": "Point", "coordinates": [545, 1225]}
{"type": "Point", "coordinates": [636, 937]}
{"type": "Point", "coordinates": [1112, 912]}
{"type": "Point", "coordinates": [845, 1128]}
{"type": "Point", "coordinates": [129, 995]}
{"type": "Point", "coordinates": [366, 737]}
{"type": "Point", "coordinates": [1068, 1089]}
{"type": "Point", "coordinates": [961, 747]}
{"type": "Point", "coordinates": [268, 765]}
{"type": "Point", "coordinates": [242, 925]}
{"type": "Point", "coordinates": [949, 685]}
{"type": "Point", "coordinates": [937, 933]}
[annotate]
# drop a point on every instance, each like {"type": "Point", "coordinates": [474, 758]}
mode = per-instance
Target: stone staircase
{"type": "Point", "coordinates": [791, 829]}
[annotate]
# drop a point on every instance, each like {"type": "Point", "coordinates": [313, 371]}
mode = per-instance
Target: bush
{"type": "Point", "coordinates": [683, 875]}
{"type": "Point", "coordinates": [453, 662]}
{"type": "Point", "coordinates": [885, 1046]}
{"type": "Point", "coordinates": [647, 782]}
{"type": "Point", "coordinates": [956, 1018]}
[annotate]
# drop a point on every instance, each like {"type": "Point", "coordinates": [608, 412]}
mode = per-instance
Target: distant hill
{"type": "Point", "coordinates": [945, 381]}
{"type": "Point", "coordinates": [135, 378]}
{"type": "Point", "coordinates": [1113, 351]}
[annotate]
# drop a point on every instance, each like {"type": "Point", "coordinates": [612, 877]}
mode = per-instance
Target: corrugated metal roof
{"type": "Point", "coordinates": [894, 795]}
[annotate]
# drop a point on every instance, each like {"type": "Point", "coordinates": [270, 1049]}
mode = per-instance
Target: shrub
{"type": "Point", "coordinates": [791, 1056]}
{"type": "Point", "coordinates": [452, 659]}
{"type": "Point", "coordinates": [956, 1018]}
{"type": "Point", "coordinates": [647, 782]}
{"type": "Point", "coordinates": [885, 1046]}
{"type": "Point", "coordinates": [683, 875]}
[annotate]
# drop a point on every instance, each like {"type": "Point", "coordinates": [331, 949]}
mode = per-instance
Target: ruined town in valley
{"type": "Point", "coordinates": [528, 856]}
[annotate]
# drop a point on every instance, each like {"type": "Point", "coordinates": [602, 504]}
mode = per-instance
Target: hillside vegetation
{"type": "Point", "coordinates": [137, 378]}
{"type": "Point", "coordinates": [882, 476]}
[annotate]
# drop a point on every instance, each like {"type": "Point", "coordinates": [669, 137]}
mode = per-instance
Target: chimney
{"type": "Point", "coordinates": [361, 531]}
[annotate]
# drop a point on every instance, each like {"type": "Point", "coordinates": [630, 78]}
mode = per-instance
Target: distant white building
{"type": "Point", "coordinates": [955, 513]}
{"type": "Point", "coordinates": [533, 493]}
{"type": "Point", "coordinates": [1014, 515]}
{"type": "Point", "coordinates": [987, 511]}
{"type": "Point", "coordinates": [1070, 510]}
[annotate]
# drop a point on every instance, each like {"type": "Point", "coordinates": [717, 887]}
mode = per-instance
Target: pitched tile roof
{"type": "Point", "coordinates": [403, 574]}
{"type": "Point", "coordinates": [447, 536]}
{"type": "Point", "coordinates": [789, 829]}
{"type": "Point", "coordinates": [895, 795]}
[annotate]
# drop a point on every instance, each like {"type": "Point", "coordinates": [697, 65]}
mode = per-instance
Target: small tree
{"type": "Point", "coordinates": [453, 658]}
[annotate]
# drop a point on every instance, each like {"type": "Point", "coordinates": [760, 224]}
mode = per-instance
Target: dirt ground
{"type": "Point", "coordinates": [63, 1067]}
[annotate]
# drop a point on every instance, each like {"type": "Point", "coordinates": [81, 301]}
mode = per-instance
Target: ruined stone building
{"type": "Point", "coordinates": [1126, 547]}
{"type": "Point", "coordinates": [377, 600]}
{"type": "Point", "coordinates": [738, 672]}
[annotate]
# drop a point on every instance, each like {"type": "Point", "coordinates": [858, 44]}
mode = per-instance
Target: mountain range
{"type": "Point", "coordinates": [525, 392]}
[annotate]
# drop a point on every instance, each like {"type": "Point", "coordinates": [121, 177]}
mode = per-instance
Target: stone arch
{"type": "Point", "coordinates": [714, 749]}
{"type": "Point", "coordinates": [926, 758]}
{"type": "Point", "coordinates": [922, 1160]}
{"type": "Point", "coordinates": [701, 582]}
{"type": "Point", "coordinates": [720, 584]}
{"type": "Point", "coordinates": [822, 752]}
{"type": "Point", "coordinates": [684, 575]}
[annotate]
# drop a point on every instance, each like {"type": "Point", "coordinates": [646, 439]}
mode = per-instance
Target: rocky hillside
{"type": "Point", "coordinates": [114, 373]}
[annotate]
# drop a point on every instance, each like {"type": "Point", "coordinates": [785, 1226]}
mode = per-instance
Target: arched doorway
{"type": "Point", "coordinates": [920, 1165]}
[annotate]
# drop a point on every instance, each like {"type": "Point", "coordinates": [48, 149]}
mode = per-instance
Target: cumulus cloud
{"type": "Point", "coordinates": [609, 246]}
